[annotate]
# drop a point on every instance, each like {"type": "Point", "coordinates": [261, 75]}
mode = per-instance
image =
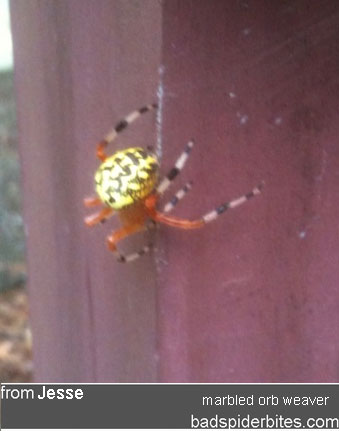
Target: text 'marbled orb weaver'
{"type": "Point", "coordinates": [127, 182]}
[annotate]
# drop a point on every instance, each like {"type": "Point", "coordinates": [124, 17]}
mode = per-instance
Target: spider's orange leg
{"type": "Point", "coordinates": [194, 224]}
{"type": "Point", "coordinates": [157, 216]}
{"type": "Point", "coordinates": [101, 150]}
{"type": "Point", "coordinates": [92, 202]}
{"type": "Point", "coordinates": [122, 233]}
{"type": "Point", "coordinates": [98, 217]}
{"type": "Point", "coordinates": [119, 127]}
{"type": "Point", "coordinates": [175, 221]}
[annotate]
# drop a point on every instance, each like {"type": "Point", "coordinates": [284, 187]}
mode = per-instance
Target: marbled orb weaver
{"type": "Point", "coordinates": [127, 183]}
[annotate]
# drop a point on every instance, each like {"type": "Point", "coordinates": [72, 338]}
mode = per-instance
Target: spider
{"type": "Point", "coordinates": [127, 183]}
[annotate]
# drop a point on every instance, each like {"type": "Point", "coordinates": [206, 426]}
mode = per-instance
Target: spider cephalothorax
{"type": "Point", "coordinates": [127, 182]}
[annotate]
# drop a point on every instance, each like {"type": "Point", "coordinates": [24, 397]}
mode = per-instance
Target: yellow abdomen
{"type": "Point", "coordinates": [126, 177]}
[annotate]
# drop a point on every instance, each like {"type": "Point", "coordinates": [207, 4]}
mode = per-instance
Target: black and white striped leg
{"type": "Point", "coordinates": [134, 256]}
{"type": "Point", "coordinates": [212, 215]}
{"type": "Point", "coordinates": [180, 194]}
{"type": "Point", "coordinates": [120, 126]}
{"type": "Point", "coordinates": [173, 173]}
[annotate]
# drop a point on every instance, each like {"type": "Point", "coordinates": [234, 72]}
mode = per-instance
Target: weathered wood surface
{"type": "Point", "coordinates": [79, 67]}
{"type": "Point", "coordinates": [253, 297]}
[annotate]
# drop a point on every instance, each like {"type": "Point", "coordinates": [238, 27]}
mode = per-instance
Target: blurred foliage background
{"type": "Point", "coordinates": [15, 336]}
{"type": "Point", "coordinates": [11, 224]}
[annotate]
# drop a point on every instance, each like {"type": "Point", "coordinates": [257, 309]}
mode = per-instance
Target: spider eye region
{"type": "Point", "coordinates": [126, 177]}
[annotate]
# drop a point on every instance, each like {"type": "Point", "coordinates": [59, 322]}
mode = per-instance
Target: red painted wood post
{"type": "Point", "coordinates": [79, 66]}
{"type": "Point", "coordinates": [252, 297]}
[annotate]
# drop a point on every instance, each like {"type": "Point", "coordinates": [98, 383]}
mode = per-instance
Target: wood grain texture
{"type": "Point", "coordinates": [79, 67]}
{"type": "Point", "coordinates": [254, 296]}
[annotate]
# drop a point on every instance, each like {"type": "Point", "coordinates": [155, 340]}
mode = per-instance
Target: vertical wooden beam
{"type": "Point", "coordinates": [79, 67]}
{"type": "Point", "coordinates": [254, 296]}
